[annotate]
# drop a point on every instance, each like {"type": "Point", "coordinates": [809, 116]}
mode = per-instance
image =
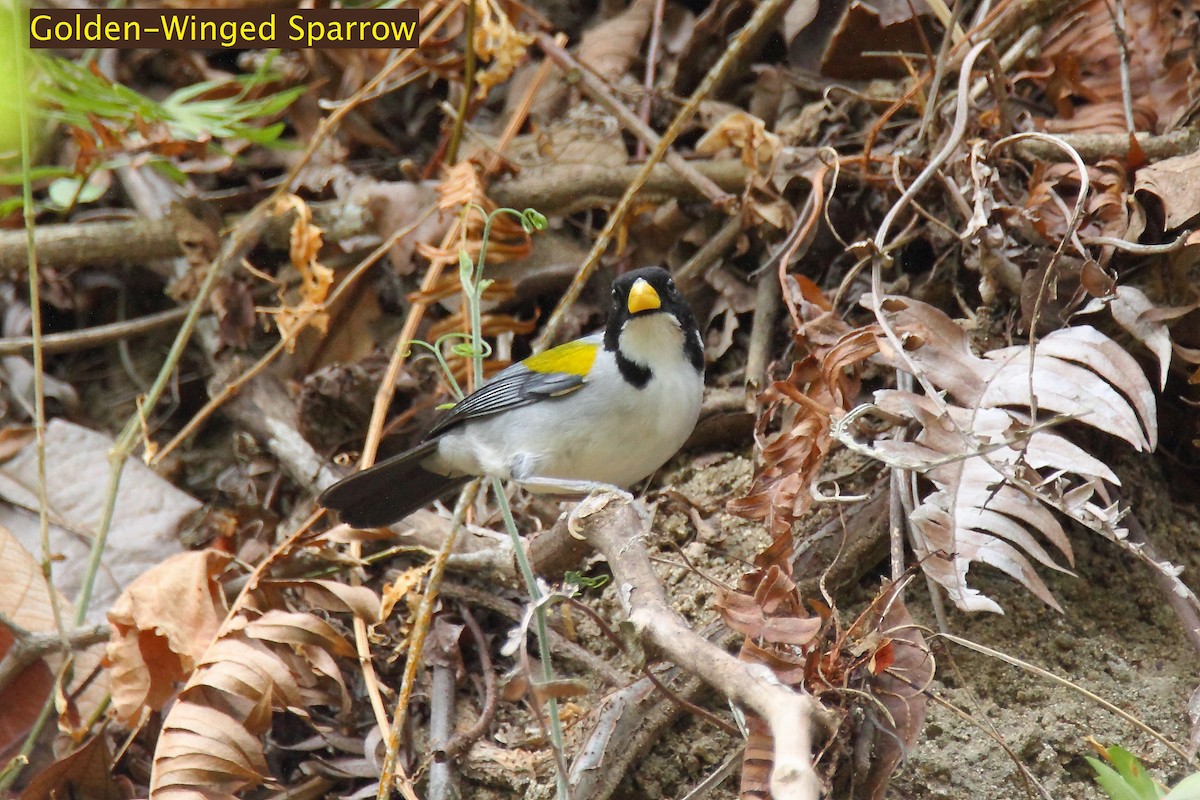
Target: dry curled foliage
{"type": "Point", "coordinates": [270, 653]}
{"type": "Point", "coordinates": [1084, 54]}
{"type": "Point", "coordinates": [993, 465]}
{"type": "Point", "coordinates": [820, 385]}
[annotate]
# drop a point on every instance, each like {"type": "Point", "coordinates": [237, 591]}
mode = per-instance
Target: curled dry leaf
{"type": "Point", "coordinates": [263, 659]}
{"type": "Point", "coordinates": [315, 278]}
{"type": "Point", "coordinates": [993, 469]}
{"type": "Point", "coordinates": [1146, 322]}
{"type": "Point", "coordinates": [162, 624]}
{"type": "Point", "coordinates": [745, 133]}
{"type": "Point", "coordinates": [1170, 190]}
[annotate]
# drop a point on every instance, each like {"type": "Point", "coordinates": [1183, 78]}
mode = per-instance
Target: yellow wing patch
{"type": "Point", "coordinates": [575, 358]}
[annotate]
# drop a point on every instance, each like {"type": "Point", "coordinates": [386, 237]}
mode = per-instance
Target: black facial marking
{"type": "Point", "coordinates": [672, 303]}
{"type": "Point", "coordinates": [632, 371]}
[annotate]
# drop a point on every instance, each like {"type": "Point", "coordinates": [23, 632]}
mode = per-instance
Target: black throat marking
{"type": "Point", "coordinates": [639, 375]}
{"type": "Point", "coordinates": [632, 371]}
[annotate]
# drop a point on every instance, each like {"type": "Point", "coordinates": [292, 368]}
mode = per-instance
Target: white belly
{"type": "Point", "coordinates": [608, 431]}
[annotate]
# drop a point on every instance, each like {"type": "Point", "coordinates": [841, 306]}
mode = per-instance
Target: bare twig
{"type": "Point", "coordinates": [463, 739]}
{"type": "Point", "coordinates": [647, 102]}
{"type": "Point", "coordinates": [442, 700]}
{"type": "Point", "coordinates": [417, 635]}
{"type": "Point", "coordinates": [29, 646]}
{"type": "Point", "coordinates": [613, 527]}
{"type": "Point", "coordinates": [464, 102]}
{"type": "Point", "coordinates": [1093, 147]}
{"type": "Point", "coordinates": [84, 338]}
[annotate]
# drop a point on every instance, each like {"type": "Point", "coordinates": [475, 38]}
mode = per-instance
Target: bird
{"type": "Point", "coordinates": [606, 410]}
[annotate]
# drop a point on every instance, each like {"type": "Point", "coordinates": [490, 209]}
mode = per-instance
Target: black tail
{"type": "Point", "coordinates": [390, 490]}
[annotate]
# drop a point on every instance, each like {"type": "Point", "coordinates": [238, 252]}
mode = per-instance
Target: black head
{"type": "Point", "coordinates": [646, 292]}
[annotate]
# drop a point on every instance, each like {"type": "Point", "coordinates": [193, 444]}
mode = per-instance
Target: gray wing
{"type": "Point", "coordinates": [513, 387]}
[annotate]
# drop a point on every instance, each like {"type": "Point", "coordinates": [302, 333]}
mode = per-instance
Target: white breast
{"type": "Point", "coordinates": [609, 431]}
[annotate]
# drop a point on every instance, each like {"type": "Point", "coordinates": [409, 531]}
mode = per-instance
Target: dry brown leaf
{"type": "Point", "coordinates": [25, 599]}
{"type": "Point", "coordinates": [204, 752]}
{"type": "Point", "coordinates": [611, 47]}
{"type": "Point", "coordinates": [278, 661]}
{"type": "Point", "coordinates": [294, 627]}
{"type": "Point", "coordinates": [1085, 54]}
{"type": "Point", "coordinates": [149, 512]}
{"type": "Point", "coordinates": [162, 625]}
{"type": "Point", "coordinates": [746, 134]}
{"type": "Point", "coordinates": [974, 452]}
{"type": "Point", "coordinates": [1174, 185]}
{"type": "Point", "coordinates": [818, 386]}
{"type": "Point", "coordinates": [336, 597]}
{"type": "Point", "coordinates": [1080, 372]}
{"type": "Point", "coordinates": [403, 585]}
{"type": "Point", "coordinates": [899, 686]}
{"type": "Point", "coordinates": [1146, 322]}
{"type": "Point", "coordinates": [85, 773]}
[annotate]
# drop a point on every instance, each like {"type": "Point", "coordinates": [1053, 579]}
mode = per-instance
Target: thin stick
{"type": "Point", "coordinates": [416, 640]}
{"type": "Point", "coordinates": [464, 102]}
{"type": "Point", "coordinates": [70, 341]}
{"type": "Point", "coordinates": [644, 106]}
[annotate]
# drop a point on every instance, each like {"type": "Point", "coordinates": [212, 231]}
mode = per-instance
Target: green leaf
{"type": "Point", "coordinates": [535, 219]}
{"type": "Point", "coordinates": [465, 267]}
{"type": "Point", "coordinates": [1134, 773]}
{"type": "Point", "coordinates": [579, 579]}
{"type": "Point", "coordinates": [11, 206]}
{"type": "Point", "coordinates": [1112, 782]}
{"type": "Point", "coordinates": [1186, 789]}
{"type": "Point", "coordinates": [36, 174]}
{"type": "Point", "coordinates": [64, 193]}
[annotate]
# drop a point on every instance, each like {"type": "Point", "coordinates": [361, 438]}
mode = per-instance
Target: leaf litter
{"type": "Point", "coordinates": [1024, 405]}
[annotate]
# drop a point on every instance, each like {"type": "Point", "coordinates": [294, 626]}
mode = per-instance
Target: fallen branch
{"type": "Point", "coordinates": [1093, 147]}
{"type": "Point", "coordinates": [614, 528]}
{"type": "Point", "coordinates": [557, 190]}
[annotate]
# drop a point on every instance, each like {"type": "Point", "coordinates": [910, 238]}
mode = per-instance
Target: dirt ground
{"type": "Point", "coordinates": [1116, 638]}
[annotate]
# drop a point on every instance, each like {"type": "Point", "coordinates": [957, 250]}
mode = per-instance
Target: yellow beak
{"type": "Point", "coordinates": [642, 297]}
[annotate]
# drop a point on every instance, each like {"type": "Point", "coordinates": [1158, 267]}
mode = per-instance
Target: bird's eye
{"type": "Point", "coordinates": [671, 284]}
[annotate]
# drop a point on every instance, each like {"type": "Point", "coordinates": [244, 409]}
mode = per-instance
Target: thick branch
{"type": "Point", "coordinates": [612, 526]}
{"type": "Point", "coordinates": [555, 190]}
{"type": "Point", "coordinates": [1093, 147]}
